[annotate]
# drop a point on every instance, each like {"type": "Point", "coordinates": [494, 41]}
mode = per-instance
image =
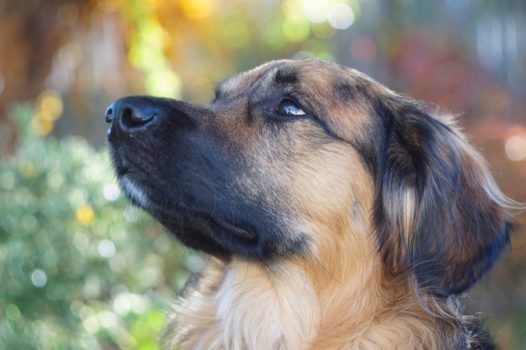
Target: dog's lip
{"type": "Point", "coordinates": [234, 229]}
{"type": "Point", "coordinates": [240, 230]}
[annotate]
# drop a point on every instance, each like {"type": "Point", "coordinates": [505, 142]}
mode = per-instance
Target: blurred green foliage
{"type": "Point", "coordinates": [80, 268]}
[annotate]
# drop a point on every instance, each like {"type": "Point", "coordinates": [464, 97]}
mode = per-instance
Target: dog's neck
{"type": "Point", "coordinates": [265, 308]}
{"type": "Point", "coordinates": [300, 305]}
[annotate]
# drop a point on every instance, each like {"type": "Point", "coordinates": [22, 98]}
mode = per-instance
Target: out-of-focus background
{"type": "Point", "coordinates": [79, 267]}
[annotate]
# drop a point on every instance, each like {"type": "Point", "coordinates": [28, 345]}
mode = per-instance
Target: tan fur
{"type": "Point", "coordinates": [309, 304]}
{"type": "Point", "coordinates": [336, 297]}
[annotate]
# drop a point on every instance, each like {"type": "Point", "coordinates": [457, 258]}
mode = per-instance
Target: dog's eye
{"type": "Point", "coordinates": [288, 107]}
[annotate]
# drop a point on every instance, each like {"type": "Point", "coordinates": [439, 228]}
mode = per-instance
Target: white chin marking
{"type": "Point", "coordinates": [136, 193]}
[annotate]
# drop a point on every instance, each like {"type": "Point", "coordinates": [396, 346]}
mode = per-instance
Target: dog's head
{"type": "Point", "coordinates": [293, 150]}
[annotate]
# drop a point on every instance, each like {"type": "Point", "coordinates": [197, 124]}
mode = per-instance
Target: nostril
{"type": "Point", "coordinates": [109, 115]}
{"type": "Point", "coordinates": [132, 118]}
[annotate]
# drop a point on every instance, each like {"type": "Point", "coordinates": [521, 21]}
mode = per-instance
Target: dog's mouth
{"type": "Point", "coordinates": [241, 232]}
{"type": "Point", "coordinates": [210, 233]}
{"type": "Point", "coordinates": [212, 225]}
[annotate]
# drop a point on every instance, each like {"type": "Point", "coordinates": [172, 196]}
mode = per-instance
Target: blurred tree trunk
{"type": "Point", "coordinates": [30, 34]}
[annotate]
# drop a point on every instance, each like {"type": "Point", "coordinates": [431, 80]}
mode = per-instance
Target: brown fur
{"type": "Point", "coordinates": [387, 212]}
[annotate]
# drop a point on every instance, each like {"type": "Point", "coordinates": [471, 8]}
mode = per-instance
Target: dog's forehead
{"type": "Point", "coordinates": [243, 81]}
{"type": "Point", "coordinates": [308, 75]}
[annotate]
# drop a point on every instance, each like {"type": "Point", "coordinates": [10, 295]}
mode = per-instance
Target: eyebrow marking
{"type": "Point", "coordinates": [243, 81]}
{"type": "Point", "coordinates": [286, 76]}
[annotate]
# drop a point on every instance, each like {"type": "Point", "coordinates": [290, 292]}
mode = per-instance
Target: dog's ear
{"type": "Point", "coordinates": [438, 211]}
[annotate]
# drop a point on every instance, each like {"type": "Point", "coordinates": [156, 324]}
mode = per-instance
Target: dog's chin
{"type": "Point", "coordinates": [210, 234]}
{"type": "Point", "coordinates": [206, 232]}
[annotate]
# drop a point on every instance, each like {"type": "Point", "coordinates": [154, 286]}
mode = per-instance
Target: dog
{"type": "Point", "coordinates": [337, 214]}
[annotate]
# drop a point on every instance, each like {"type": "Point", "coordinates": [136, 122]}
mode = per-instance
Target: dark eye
{"type": "Point", "coordinates": [288, 107]}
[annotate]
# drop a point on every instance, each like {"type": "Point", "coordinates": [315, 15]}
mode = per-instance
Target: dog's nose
{"type": "Point", "coordinates": [131, 114]}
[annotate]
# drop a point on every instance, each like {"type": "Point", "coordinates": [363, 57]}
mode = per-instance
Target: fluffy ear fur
{"type": "Point", "coordinates": [438, 211]}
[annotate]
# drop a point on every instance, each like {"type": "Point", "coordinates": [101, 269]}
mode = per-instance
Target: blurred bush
{"type": "Point", "coordinates": [72, 251]}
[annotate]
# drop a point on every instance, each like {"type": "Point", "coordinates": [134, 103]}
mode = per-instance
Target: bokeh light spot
{"type": "Point", "coordinates": [340, 16]}
{"type": "Point", "coordinates": [106, 248]}
{"type": "Point", "coordinates": [111, 192]}
{"type": "Point", "coordinates": [150, 276]}
{"type": "Point", "coordinates": [12, 312]}
{"type": "Point", "coordinates": [85, 214]}
{"type": "Point", "coordinates": [49, 107]}
{"type": "Point", "coordinates": [315, 11]}
{"type": "Point", "coordinates": [515, 148]}
{"type": "Point", "coordinates": [92, 287]}
{"type": "Point", "coordinates": [131, 214]}
{"type": "Point", "coordinates": [163, 82]}
{"type": "Point", "coordinates": [55, 179]}
{"type": "Point", "coordinates": [126, 302]}
{"type": "Point", "coordinates": [91, 324]}
{"type": "Point", "coordinates": [39, 278]}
